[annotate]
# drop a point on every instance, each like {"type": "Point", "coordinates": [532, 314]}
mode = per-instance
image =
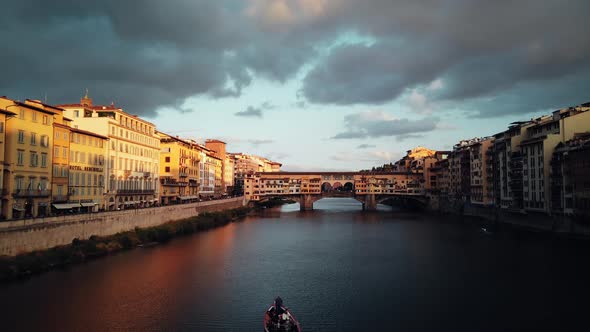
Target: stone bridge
{"type": "Point", "coordinates": [309, 187]}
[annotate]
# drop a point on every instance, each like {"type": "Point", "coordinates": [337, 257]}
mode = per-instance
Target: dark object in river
{"type": "Point", "coordinates": [279, 319]}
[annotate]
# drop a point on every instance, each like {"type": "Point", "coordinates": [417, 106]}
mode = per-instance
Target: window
{"type": "Point", "coordinates": [20, 157]}
{"type": "Point", "coordinates": [65, 136]}
{"type": "Point", "coordinates": [167, 159]}
{"type": "Point", "coordinates": [56, 152]}
{"type": "Point", "coordinates": [34, 159]}
{"type": "Point", "coordinates": [57, 134]}
{"type": "Point", "coordinates": [65, 152]}
{"type": "Point", "coordinates": [44, 160]}
{"type": "Point", "coordinates": [55, 170]}
{"type": "Point", "coordinates": [76, 114]}
{"type": "Point", "coordinates": [46, 120]}
{"type": "Point", "coordinates": [1, 127]}
{"type": "Point", "coordinates": [64, 172]}
{"type": "Point", "coordinates": [19, 182]}
{"type": "Point", "coordinates": [33, 139]}
{"type": "Point", "coordinates": [21, 114]}
{"type": "Point", "coordinates": [44, 141]}
{"type": "Point", "coordinates": [34, 116]}
{"type": "Point", "coordinates": [167, 169]}
{"type": "Point", "coordinates": [21, 136]}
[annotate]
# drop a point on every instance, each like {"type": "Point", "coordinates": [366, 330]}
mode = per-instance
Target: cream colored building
{"type": "Point", "coordinates": [132, 156]}
{"type": "Point", "coordinates": [87, 169]}
{"type": "Point", "coordinates": [28, 140]}
{"type": "Point", "coordinates": [542, 136]}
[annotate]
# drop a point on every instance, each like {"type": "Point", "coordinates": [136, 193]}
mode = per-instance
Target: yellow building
{"type": "Point", "coordinates": [27, 159]}
{"type": "Point", "coordinates": [87, 169]}
{"type": "Point", "coordinates": [60, 163]}
{"type": "Point", "coordinates": [4, 115]}
{"type": "Point", "coordinates": [179, 169]}
{"type": "Point", "coordinates": [216, 164]}
{"type": "Point", "coordinates": [132, 157]}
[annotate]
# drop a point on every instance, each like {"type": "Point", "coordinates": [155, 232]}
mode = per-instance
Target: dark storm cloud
{"type": "Point", "coordinates": [480, 49]}
{"type": "Point", "coordinates": [139, 55]}
{"type": "Point", "coordinates": [378, 124]}
{"type": "Point", "coordinates": [251, 112]}
{"type": "Point", "coordinates": [146, 54]}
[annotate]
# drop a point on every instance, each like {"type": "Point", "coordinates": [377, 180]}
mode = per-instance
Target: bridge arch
{"type": "Point", "coordinates": [326, 187]}
{"type": "Point", "coordinates": [348, 186]}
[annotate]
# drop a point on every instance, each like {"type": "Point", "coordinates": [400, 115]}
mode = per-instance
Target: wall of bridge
{"type": "Point", "coordinates": [43, 233]}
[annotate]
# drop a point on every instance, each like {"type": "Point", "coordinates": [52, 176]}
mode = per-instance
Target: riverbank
{"type": "Point", "coordinates": [24, 236]}
{"type": "Point", "coordinates": [79, 251]}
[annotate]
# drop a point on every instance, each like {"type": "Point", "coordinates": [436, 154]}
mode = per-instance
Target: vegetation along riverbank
{"type": "Point", "coordinates": [79, 251]}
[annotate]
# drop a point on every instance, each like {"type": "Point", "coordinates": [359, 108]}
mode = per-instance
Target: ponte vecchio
{"type": "Point", "coordinates": [308, 187]}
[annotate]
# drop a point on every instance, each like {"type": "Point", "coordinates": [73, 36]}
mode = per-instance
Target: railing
{"type": "Point", "coordinates": [135, 191]}
{"type": "Point", "coordinates": [31, 193]}
{"type": "Point", "coordinates": [61, 198]}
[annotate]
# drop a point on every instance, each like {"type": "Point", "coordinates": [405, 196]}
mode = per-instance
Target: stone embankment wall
{"type": "Point", "coordinates": [17, 237]}
{"type": "Point", "coordinates": [531, 221]}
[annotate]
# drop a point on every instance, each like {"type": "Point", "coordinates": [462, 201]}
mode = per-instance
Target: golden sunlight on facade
{"type": "Point", "coordinates": [27, 159]}
{"type": "Point", "coordinates": [179, 169]}
{"type": "Point", "coordinates": [133, 153]}
{"type": "Point", "coordinates": [87, 169]}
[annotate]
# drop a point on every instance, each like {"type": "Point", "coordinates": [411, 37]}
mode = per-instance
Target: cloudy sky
{"type": "Point", "coordinates": [315, 84]}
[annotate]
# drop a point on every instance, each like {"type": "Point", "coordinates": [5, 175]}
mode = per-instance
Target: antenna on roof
{"type": "Point", "coordinates": [45, 100]}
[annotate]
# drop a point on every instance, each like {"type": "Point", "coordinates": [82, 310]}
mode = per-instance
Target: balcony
{"type": "Point", "coordinates": [60, 198]}
{"type": "Point", "coordinates": [19, 193]}
{"type": "Point", "coordinates": [183, 174]}
{"type": "Point", "coordinates": [136, 191]}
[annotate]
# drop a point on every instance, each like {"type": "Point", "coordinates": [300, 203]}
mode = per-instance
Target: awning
{"type": "Point", "coordinates": [66, 206]}
{"type": "Point", "coordinates": [18, 208]}
{"type": "Point", "coordinates": [89, 204]}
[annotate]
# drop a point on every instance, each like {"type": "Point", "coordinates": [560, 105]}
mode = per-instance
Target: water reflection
{"type": "Point", "coordinates": [339, 268]}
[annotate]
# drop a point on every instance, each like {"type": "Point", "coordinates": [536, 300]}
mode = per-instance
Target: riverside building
{"type": "Point", "coordinates": [179, 169]}
{"type": "Point", "coordinates": [87, 169]}
{"type": "Point", "coordinates": [542, 137]}
{"type": "Point", "coordinates": [132, 157]}
{"type": "Point", "coordinates": [26, 177]}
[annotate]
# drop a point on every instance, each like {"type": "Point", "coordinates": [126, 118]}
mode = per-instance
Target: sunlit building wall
{"type": "Point", "coordinates": [179, 169]}
{"type": "Point", "coordinates": [28, 140]}
{"type": "Point", "coordinates": [133, 154]}
{"type": "Point", "coordinates": [87, 169]}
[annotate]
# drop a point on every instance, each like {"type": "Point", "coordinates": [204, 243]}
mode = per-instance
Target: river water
{"type": "Point", "coordinates": [338, 269]}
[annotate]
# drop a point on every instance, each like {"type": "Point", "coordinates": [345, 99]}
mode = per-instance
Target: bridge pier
{"type": "Point", "coordinates": [370, 203]}
{"type": "Point", "coordinates": [306, 203]}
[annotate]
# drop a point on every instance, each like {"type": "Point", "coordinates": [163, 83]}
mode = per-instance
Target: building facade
{"type": "Point", "coordinates": [132, 157]}
{"type": "Point", "coordinates": [179, 170]}
{"type": "Point", "coordinates": [87, 169]}
{"type": "Point", "coordinates": [27, 159]}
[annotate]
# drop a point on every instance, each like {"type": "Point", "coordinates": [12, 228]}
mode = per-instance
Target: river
{"type": "Point", "coordinates": [338, 269]}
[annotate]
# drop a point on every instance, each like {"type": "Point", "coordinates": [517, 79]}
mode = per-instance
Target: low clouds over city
{"type": "Point", "coordinates": [416, 61]}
